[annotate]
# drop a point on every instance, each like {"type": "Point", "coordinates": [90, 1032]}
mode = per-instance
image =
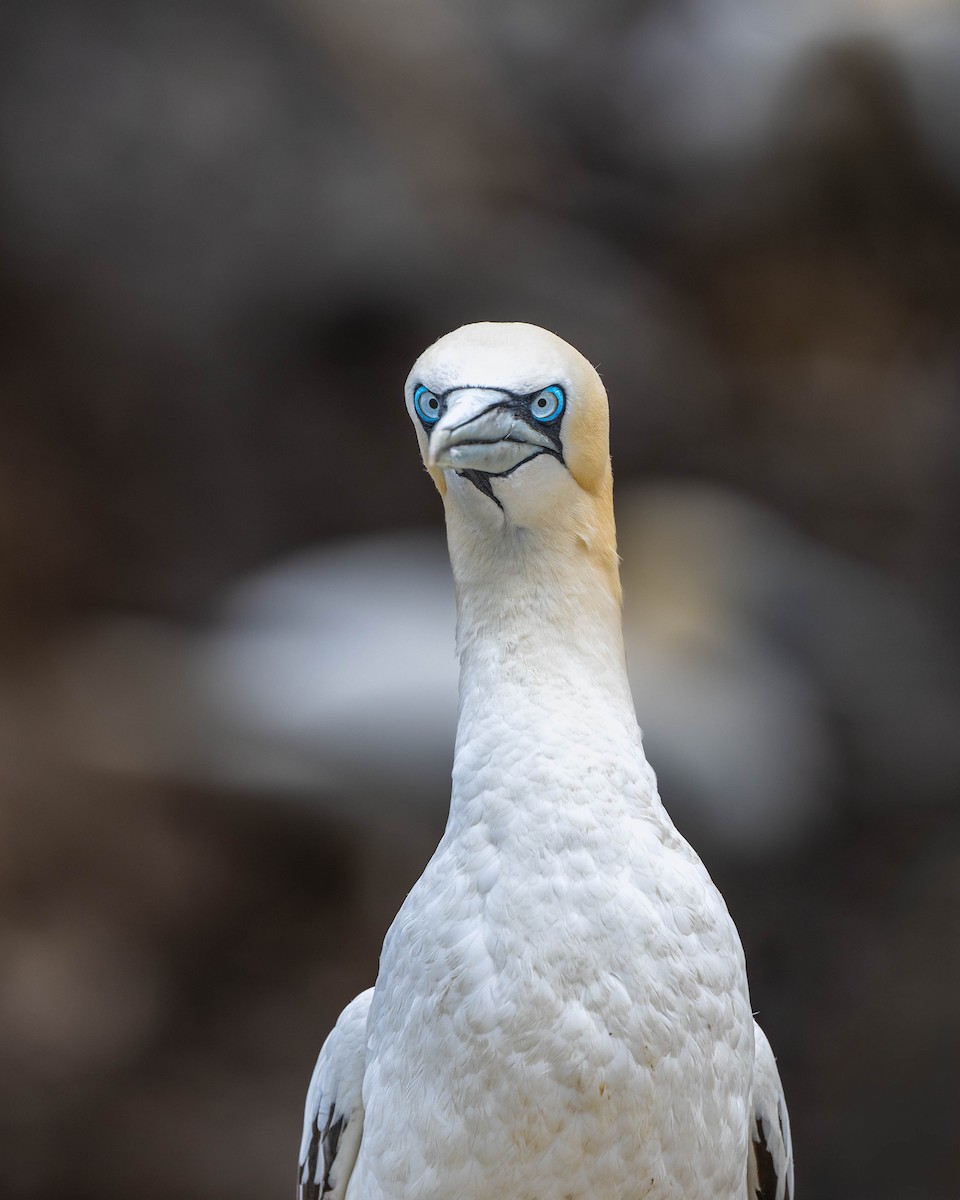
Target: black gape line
{"type": "Point", "coordinates": [519, 405]}
{"type": "Point", "coordinates": [481, 481]}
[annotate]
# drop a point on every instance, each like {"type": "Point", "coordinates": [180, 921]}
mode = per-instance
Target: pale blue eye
{"type": "Point", "coordinates": [548, 404]}
{"type": "Point", "coordinates": [427, 405]}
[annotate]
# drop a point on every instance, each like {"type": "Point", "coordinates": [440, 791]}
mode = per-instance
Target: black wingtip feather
{"type": "Point", "coordinates": [327, 1141]}
{"type": "Point", "coordinates": [766, 1168]}
{"type": "Point", "coordinates": [308, 1189]}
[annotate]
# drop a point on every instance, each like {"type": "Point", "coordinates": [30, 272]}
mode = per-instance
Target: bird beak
{"type": "Point", "coordinates": [481, 431]}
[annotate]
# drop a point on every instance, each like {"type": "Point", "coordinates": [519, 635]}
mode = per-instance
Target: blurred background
{"type": "Point", "coordinates": [227, 683]}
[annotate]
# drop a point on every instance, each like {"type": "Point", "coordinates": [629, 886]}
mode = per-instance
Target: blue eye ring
{"type": "Point", "coordinates": [548, 404]}
{"type": "Point", "coordinates": [428, 415]}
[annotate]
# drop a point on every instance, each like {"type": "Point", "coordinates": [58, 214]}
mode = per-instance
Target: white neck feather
{"type": "Point", "coordinates": [530, 615]}
{"type": "Point", "coordinates": [541, 662]}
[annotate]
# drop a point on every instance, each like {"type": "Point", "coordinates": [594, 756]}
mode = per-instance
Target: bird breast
{"type": "Point", "coordinates": [565, 1000]}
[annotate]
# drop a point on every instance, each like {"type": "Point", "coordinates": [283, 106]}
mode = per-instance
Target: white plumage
{"type": "Point", "coordinates": [562, 1008]}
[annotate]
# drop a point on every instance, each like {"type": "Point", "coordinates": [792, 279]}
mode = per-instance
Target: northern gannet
{"type": "Point", "coordinates": [561, 1010]}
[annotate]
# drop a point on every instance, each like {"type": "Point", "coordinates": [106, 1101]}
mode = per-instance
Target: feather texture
{"type": "Point", "coordinates": [333, 1113]}
{"type": "Point", "coordinates": [562, 1008]}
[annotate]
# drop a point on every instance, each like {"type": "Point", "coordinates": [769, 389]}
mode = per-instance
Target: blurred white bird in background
{"type": "Point", "coordinates": [762, 665]}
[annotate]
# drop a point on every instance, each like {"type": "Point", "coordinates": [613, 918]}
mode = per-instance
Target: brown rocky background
{"type": "Point", "coordinates": [226, 230]}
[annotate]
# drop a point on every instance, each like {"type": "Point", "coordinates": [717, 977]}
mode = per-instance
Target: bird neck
{"type": "Point", "coordinates": [531, 615]}
{"type": "Point", "coordinates": [540, 642]}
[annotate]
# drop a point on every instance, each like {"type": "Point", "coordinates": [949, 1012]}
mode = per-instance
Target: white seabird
{"type": "Point", "coordinates": [561, 1011]}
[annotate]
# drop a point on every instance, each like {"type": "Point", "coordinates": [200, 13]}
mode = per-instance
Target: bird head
{"type": "Point", "coordinates": [513, 426]}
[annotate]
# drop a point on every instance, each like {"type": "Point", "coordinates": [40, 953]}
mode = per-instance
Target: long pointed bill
{"type": "Point", "coordinates": [481, 431]}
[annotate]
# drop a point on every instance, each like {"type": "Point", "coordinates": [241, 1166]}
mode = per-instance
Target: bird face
{"type": "Point", "coordinates": [489, 430]}
{"type": "Point", "coordinates": [490, 400]}
{"type": "Point", "coordinates": [513, 428]}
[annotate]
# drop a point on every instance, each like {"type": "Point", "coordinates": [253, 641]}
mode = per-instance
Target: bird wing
{"type": "Point", "coordinates": [770, 1169]}
{"type": "Point", "coordinates": [333, 1114]}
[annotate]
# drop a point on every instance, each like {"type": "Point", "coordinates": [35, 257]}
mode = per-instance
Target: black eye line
{"type": "Point", "coordinates": [487, 387]}
{"type": "Point", "coordinates": [521, 401]}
